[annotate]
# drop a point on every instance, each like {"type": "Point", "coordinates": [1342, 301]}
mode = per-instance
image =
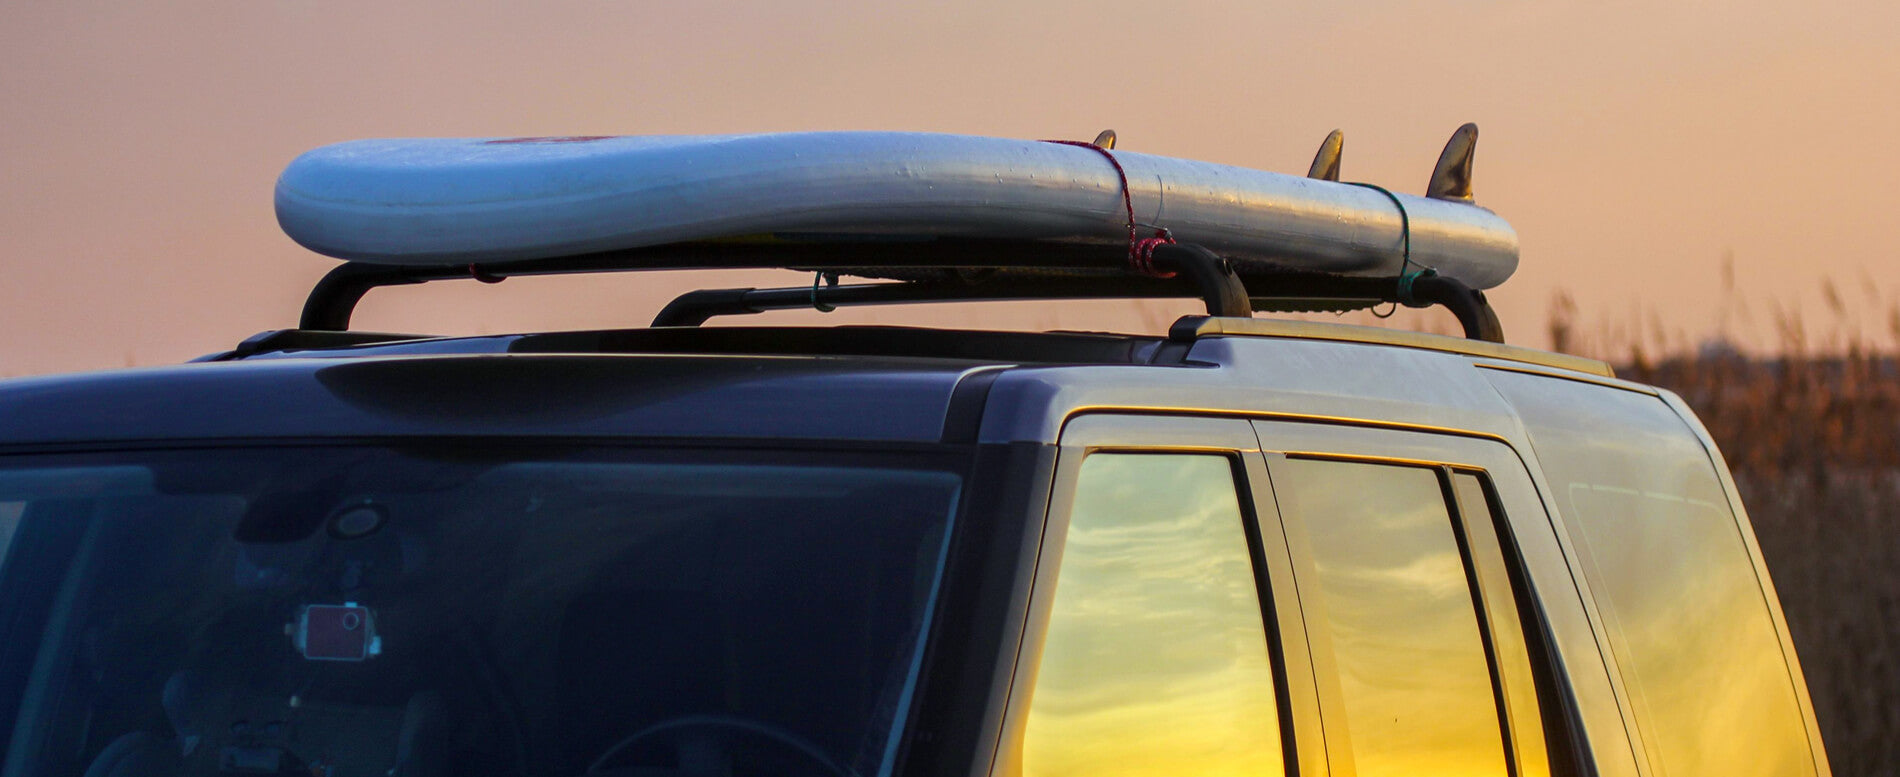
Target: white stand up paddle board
{"type": "Point", "coordinates": [436, 201]}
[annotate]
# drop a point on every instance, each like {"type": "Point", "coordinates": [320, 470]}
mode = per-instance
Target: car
{"type": "Point", "coordinates": [1242, 546]}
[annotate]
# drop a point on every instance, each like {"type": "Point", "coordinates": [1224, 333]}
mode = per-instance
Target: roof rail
{"type": "Point", "coordinates": [937, 271]}
{"type": "Point", "coordinates": [1189, 329]}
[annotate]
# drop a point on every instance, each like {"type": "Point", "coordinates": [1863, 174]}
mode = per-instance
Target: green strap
{"type": "Point", "coordinates": [830, 279]}
{"type": "Point", "coordinates": [1406, 274]}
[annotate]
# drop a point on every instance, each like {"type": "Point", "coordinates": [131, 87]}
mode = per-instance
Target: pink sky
{"type": "Point", "coordinates": [1633, 145]}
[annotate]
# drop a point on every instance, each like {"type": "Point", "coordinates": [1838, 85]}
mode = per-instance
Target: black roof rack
{"type": "Point", "coordinates": [849, 340]}
{"type": "Point", "coordinates": [939, 271]}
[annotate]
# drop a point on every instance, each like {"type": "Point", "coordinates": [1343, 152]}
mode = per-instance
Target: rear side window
{"type": "Point", "coordinates": [1397, 604]}
{"type": "Point", "coordinates": [1666, 557]}
{"type": "Point", "coordinates": [1155, 663]}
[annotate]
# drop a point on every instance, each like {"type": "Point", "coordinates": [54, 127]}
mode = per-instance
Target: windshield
{"type": "Point", "coordinates": [335, 612]}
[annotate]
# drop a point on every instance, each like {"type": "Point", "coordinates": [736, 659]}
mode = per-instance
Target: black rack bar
{"type": "Point", "coordinates": [1473, 311]}
{"type": "Point", "coordinates": [1227, 289]}
{"type": "Point", "coordinates": [696, 307]}
{"type": "Point", "coordinates": [1474, 314]}
{"type": "Point", "coordinates": [334, 298]}
{"type": "Point", "coordinates": [1200, 273]}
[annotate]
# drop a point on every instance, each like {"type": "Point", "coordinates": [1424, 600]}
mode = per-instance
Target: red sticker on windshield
{"type": "Point", "coordinates": [331, 632]}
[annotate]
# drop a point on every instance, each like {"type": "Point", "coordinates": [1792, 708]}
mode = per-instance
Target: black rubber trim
{"type": "Point", "coordinates": [963, 420]}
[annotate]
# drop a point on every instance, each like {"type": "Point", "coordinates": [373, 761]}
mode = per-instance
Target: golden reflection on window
{"type": "Point", "coordinates": [1701, 658]}
{"type": "Point", "coordinates": [1689, 622]}
{"type": "Point", "coordinates": [1398, 610]}
{"type": "Point", "coordinates": [1507, 628]}
{"type": "Point", "coordinates": [1155, 663]}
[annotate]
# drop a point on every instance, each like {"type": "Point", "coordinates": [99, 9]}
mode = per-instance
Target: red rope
{"type": "Point", "coordinates": [1141, 251]}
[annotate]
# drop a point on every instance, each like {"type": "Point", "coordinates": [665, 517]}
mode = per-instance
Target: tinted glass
{"type": "Point", "coordinates": [1156, 662]}
{"type": "Point", "coordinates": [1398, 610]}
{"type": "Point", "coordinates": [364, 611]}
{"type": "Point", "coordinates": [1480, 519]}
{"type": "Point", "coordinates": [1666, 559]}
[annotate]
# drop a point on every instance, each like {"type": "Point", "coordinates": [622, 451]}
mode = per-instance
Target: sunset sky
{"type": "Point", "coordinates": [1632, 145]}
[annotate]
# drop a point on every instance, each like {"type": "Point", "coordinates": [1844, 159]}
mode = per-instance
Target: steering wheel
{"type": "Point", "coordinates": [727, 722]}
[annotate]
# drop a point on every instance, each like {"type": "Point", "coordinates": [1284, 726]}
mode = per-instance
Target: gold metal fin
{"type": "Point", "coordinates": [1106, 139]}
{"type": "Point", "coordinates": [1451, 180]}
{"type": "Point", "coordinates": [1326, 162]}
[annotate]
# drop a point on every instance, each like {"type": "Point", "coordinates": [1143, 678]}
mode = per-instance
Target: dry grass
{"type": "Point", "coordinates": [1831, 547]}
{"type": "Point", "coordinates": [1811, 437]}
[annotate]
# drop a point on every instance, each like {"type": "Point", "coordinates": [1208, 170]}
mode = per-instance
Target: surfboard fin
{"type": "Point", "coordinates": [1326, 163]}
{"type": "Point", "coordinates": [1105, 140]}
{"type": "Point", "coordinates": [1451, 180]}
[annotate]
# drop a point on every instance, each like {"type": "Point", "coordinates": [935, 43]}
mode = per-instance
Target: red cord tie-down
{"type": "Point", "coordinates": [1141, 254]}
{"type": "Point", "coordinates": [1141, 250]}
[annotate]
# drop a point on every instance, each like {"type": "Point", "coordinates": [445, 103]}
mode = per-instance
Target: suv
{"type": "Point", "coordinates": [1244, 546]}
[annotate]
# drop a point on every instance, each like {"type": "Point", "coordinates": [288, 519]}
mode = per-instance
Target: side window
{"type": "Point", "coordinates": [1666, 557]}
{"type": "Point", "coordinates": [1508, 603]}
{"type": "Point", "coordinates": [1156, 661]}
{"type": "Point", "coordinates": [1390, 587]}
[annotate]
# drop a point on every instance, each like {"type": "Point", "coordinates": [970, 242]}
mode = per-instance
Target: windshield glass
{"type": "Point", "coordinates": [334, 612]}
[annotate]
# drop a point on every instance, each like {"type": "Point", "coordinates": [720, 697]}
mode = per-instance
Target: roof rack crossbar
{"type": "Point", "coordinates": [1473, 312]}
{"type": "Point", "coordinates": [1469, 305]}
{"type": "Point", "coordinates": [1199, 273]}
{"type": "Point", "coordinates": [335, 296]}
{"type": "Point", "coordinates": [696, 307]}
{"type": "Point", "coordinates": [1203, 275]}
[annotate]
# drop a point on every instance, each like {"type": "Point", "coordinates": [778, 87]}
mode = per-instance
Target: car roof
{"type": "Point", "coordinates": [873, 384]}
